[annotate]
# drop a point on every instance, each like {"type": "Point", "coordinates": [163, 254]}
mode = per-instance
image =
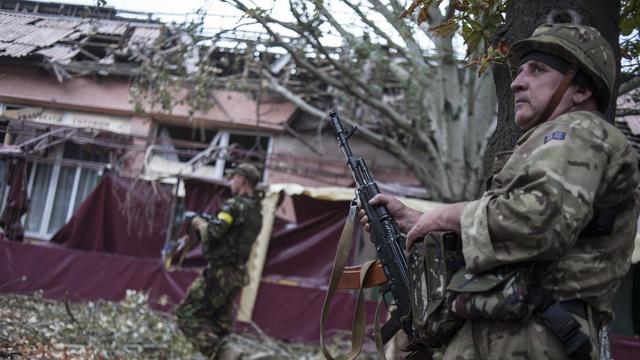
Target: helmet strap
{"type": "Point", "coordinates": [558, 94]}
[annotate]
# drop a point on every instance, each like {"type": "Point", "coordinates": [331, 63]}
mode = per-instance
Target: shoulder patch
{"type": "Point", "coordinates": [226, 217]}
{"type": "Point", "coordinates": [556, 135]}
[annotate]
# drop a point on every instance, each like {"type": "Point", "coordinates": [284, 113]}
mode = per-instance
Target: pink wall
{"type": "Point", "coordinates": [31, 86]}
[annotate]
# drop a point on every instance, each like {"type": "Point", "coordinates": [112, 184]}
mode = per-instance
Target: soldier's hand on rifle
{"type": "Point", "coordinates": [404, 216]}
{"type": "Point", "coordinates": [189, 215]}
{"type": "Point", "coordinates": [442, 218]}
{"type": "Point", "coordinates": [199, 225]}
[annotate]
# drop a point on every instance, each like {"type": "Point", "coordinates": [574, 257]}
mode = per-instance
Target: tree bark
{"type": "Point", "coordinates": [521, 19]}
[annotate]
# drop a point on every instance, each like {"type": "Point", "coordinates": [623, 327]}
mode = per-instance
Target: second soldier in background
{"type": "Point", "coordinates": [205, 314]}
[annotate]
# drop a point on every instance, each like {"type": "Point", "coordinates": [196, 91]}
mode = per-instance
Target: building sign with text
{"type": "Point", "coordinates": [116, 124]}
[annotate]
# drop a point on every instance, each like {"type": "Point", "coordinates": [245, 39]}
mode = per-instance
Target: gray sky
{"type": "Point", "coordinates": [219, 14]}
{"type": "Point", "coordinates": [224, 16]}
{"type": "Point", "coordinates": [180, 7]}
{"type": "Point", "coordinates": [178, 10]}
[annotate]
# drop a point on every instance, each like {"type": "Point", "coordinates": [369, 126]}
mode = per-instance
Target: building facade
{"type": "Point", "coordinates": [66, 108]}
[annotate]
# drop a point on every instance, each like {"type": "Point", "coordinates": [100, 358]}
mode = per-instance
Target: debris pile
{"type": "Point", "coordinates": [32, 327]}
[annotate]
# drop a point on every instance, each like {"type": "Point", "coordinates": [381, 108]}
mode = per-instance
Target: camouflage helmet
{"type": "Point", "coordinates": [578, 44]}
{"type": "Point", "coordinates": [249, 171]}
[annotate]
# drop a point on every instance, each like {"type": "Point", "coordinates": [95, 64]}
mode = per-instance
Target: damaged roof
{"type": "Point", "coordinates": [63, 40]}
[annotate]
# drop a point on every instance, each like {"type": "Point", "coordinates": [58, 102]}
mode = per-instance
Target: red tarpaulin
{"type": "Point", "coordinates": [304, 251]}
{"type": "Point", "coordinates": [625, 347]}
{"type": "Point", "coordinates": [121, 216]}
{"type": "Point", "coordinates": [77, 275]}
{"type": "Point", "coordinates": [204, 196]}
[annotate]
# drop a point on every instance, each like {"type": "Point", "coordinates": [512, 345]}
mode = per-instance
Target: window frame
{"type": "Point", "coordinates": [57, 157]}
{"type": "Point", "coordinates": [225, 135]}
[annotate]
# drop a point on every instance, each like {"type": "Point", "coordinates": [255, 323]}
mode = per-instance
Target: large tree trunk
{"type": "Point", "coordinates": [522, 18]}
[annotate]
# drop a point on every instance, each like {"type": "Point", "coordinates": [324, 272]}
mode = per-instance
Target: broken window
{"type": "Point", "coordinates": [180, 144]}
{"type": "Point", "coordinates": [58, 186]}
{"type": "Point", "coordinates": [252, 148]}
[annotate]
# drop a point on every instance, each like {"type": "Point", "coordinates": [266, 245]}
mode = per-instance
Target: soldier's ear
{"type": "Point", "coordinates": [583, 95]}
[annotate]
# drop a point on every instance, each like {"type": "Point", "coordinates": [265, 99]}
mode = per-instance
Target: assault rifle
{"type": "Point", "coordinates": [386, 237]}
{"type": "Point", "coordinates": [184, 244]}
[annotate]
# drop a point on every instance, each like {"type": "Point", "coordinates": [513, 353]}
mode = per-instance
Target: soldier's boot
{"type": "Point", "coordinates": [227, 351]}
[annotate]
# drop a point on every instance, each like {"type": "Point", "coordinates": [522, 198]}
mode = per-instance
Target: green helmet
{"type": "Point", "coordinates": [249, 171]}
{"type": "Point", "coordinates": [578, 44]}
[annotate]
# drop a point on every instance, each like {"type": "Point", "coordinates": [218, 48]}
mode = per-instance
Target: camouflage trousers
{"type": "Point", "coordinates": [498, 340]}
{"type": "Point", "coordinates": [205, 314]}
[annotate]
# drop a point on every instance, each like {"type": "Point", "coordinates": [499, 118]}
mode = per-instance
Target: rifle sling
{"type": "Point", "coordinates": [359, 318]}
{"type": "Point", "coordinates": [363, 272]}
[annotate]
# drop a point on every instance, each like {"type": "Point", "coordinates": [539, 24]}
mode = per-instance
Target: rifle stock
{"type": "Point", "coordinates": [385, 235]}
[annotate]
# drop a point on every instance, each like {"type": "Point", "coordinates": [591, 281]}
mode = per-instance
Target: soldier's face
{"type": "Point", "coordinates": [533, 87]}
{"type": "Point", "coordinates": [236, 182]}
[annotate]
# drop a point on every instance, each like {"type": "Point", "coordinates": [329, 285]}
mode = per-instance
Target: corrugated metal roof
{"type": "Point", "coordinates": [143, 36]}
{"type": "Point", "coordinates": [60, 54]}
{"type": "Point", "coordinates": [43, 36]}
{"type": "Point", "coordinates": [62, 23]}
{"type": "Point", "coordinates": [11, 32]}
{"type": "Point", "coordinates": [15, 50]}
{"type": "Point", "coordinates": [110, 27]}
{"type": "Point", "coordinates": [54, 36]}
{"type": "Point", "coordinates": [12, 18]}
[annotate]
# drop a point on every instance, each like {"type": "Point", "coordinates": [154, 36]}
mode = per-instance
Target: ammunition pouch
{"type": "Point", "coordinates": [507, 293]}
{"type": "Point", "coordinates": [432, 263]}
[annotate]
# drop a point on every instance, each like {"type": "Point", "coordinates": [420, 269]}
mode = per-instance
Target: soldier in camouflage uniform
{"type": "Point", "coordinates": [205, 314]}
{"type": "Point", "coordinates": [568, 165]}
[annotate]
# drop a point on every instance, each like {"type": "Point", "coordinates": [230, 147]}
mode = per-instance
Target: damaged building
{"type": "Point", "coordinates": [66, 108]}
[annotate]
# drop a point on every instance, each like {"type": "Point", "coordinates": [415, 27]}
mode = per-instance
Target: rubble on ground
{"type": "Point", "coordinates": [32, 327]}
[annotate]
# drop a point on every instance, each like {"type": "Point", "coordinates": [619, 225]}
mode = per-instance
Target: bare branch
{"type": "Point", "coordinates": [347, 35]}
{"type": "Point", "coordinates": [629, 85]}
{"type": "Point", "coordinates": [274, 85]}
{"type": "Point", "coordinates": [310, 35]}
{"type": "Point", "coordinates": [403, 29]}
{"type": "Point", "coordinates": [627, 112]}
{"type": "Point", "coordinates": [376, 29]}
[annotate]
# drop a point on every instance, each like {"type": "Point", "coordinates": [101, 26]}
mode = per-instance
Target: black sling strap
{"type": "Point", "coordinates": [562, 323]}
{"type": "Point", "coordinates": [604, 219]}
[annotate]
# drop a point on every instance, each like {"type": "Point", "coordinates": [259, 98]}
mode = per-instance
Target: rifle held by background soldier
{"type": "Point", "coordinates": [183, 244]}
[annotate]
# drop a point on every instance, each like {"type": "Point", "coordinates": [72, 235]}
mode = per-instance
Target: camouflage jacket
{"type": "Point", "coordinates": [232, 233]}
{"type": "Point", "coordinates": [541, 197]}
